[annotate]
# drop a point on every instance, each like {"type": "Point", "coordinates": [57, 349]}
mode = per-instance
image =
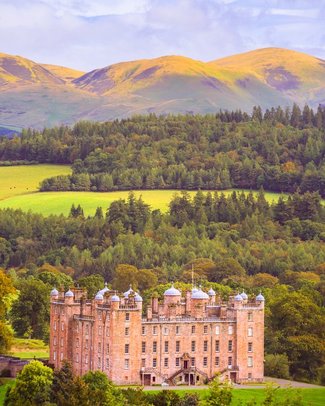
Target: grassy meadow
{"type": "Point", "coordinates": [60, 202]}
{"type": "Point", "coordinates": [19, 190]}
{"type": "Point", "coordinates": [18, 180]}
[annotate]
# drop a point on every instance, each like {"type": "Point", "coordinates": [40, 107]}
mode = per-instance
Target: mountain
{"type": "Point", "coordinates": [37, 95]}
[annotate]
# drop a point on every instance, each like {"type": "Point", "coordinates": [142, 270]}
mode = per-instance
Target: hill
{"type": "Point", "coordinates": [44, 95]}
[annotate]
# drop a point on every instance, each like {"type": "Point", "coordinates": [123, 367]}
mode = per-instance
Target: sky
{"type": "Point", "coordinates": [89, 34]}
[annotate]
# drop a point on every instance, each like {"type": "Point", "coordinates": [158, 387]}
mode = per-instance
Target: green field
{"type": "Point", "coordinates": [29, 348]}
{"type": "Point", "coordinates": [60, 202]}
{"type": "Point", "coordinates": [311, 397]}
{"type": "Point", "coordinates": [18, 180]}
{"type": "Point", "coordinates": [19, 190]}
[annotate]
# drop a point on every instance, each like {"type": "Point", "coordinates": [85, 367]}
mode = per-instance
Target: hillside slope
{"type": "Point", "coordinates": [38, 95]}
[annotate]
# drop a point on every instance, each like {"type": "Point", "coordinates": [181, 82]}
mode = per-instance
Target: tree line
{"type": "Point", "coordinates": [280, 150]}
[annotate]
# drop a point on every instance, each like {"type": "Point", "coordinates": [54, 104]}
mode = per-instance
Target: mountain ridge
{"type": "Point", "coordinates": [167, 84]}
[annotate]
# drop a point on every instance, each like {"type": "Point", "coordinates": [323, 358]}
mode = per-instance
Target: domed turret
{"type": "Point", "coordinates": [104, 290]}
{"type": "Point", "coordinates": [115, 298]}
{"type": "Point", "coordinates": [99, 296]}
{"type": "Point", "coordinates": [200, 295]}
{"type": "Point", "coordinates": [69, 293]}
{"type": "Point", "coordinates": [260, 297]}
{"type": "Point", "coordinates": [54, 292]}
{"type": "Point", "coordinates": [238, 298]}
{"type": "Point", "coordinates": [195, 289]}
{"type": "Point", "coordinates": [211, 292]}
{"type": "Point", "coordinates": [138, 298]}
{"type": "Point", "coordinates": [244, 296]}
{"type": "Point", "coordinates": [128, 292]}
{"type": "Point", "coordinates": [172, 292]}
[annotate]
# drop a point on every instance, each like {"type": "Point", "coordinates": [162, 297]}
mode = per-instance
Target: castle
{"type": "Point", "coordinates": [181, 340]}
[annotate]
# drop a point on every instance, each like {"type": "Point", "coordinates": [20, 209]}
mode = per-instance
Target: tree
{"type": "Point", "coordinates": [101, 391]}
{"type": "Point", "coordinates": [31, 310]}
{"type": "Point", "coordinates": [62, 385]}
{"type": "Point", "coordinates": [226, 268]}
{"type": "Point", "coordinates": [277, 365]}
{"type": "Point", "coordinates": [32, 386]}
{"type": "Point", "coordinates": [93, 283]}
{"type": "Point", "coordinates": [219, 395]}
{"type": "Point", "coordinates": [6, 290]}
{"type": "Point", "coordinates": [125, 275]}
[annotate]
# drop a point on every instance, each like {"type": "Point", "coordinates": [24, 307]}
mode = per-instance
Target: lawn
{"type": "Point", "coordinates": [29, 348]}
{"type": "Point", "coordinates": [60, 202]}
{"type": "Point", "coordinates": [18, 180]}
{"type": "Point", "coordinates": [311, 397]}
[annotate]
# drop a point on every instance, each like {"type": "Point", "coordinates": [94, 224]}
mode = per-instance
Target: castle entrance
{"type": "Point", "coordinates": [147, 379]}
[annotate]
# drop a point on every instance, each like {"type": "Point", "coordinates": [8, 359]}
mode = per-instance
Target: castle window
{"type": "Point", "coordinates": [166, 362]}
{"type": "Point", "coordinates": [99, 363]}
{"type": "Point", "coordinates": [229, 362]}
{"type": "Point", "coordinates": [55, 325]}
{"type": "Point", "coordinates": [154, 346]}
{"type": "Point", "coordinates": [178, 329]}
{"type": "Point", "coordinates": [61, 357]}
{"type": "Point", "coordinates": [177, 363]}
{"type": "Point", "coordinates": [192, 362]}
{"type": "Point", "coordinates": [126, 363]}
{"type": "Point", "coordinates": [127, 316]}
{"type": "Point", "coordinates": [217, 361]}
{"type": "Point", "coordinates": [77, 326]}
{"type": "Point", "coordinates": [250, 331]}
{"type": "Point", "coordinates": [99, 347]}
{"type": "Point", "coordinates": [62, 326]}
{"type": "Point", "coordinates": [143, 330]}
{"type": "Point", "coordinates": [205, 329]}
{"type": "Point", "coordinates": [143, 362]}
{"type": "Point", "coordinates": [193, 330]}
{"type": "Point", "coordinates": [250, 376]}
{"type": "Point", "coordinates": [100, 330]}
{"type": "Point", "coordinates": [54, 355]}
{"type": "Point", "coordinates": [107, 331]}
{"type": "Point", "coordinates": [143, 347]}
{"type": "Point", "coordinates": [107, 348]}
{"type": "Point", "coordinates": [127, 330]}
{"type": "Point", "coordinates": [107, 363]}
{"type": "Point", "coordinates": [77, 357]}
{"type": "Point", "coordinates": [153, 379]}
{"type": "Point", "coordinates": [61, 342]}
{"type": "Point", "coordinates": [217, 346]}
{"type": "Point", "coordinates": [77, 342]}
{"type": "Point", "coordinates": [205, 345]}
{"type": "Point", "coordinates": [217, 330]}
{"type": "Point", "coordinates": [250, 347]}
{"type": "Point", "coordinates": [250, 316]}
{"type": "Point", "coordinates": [86, 344]}
{"type": "Point", "coordinates": [166, 346]}
{"type": "Point", "coordinates": [230, 345]}
{"type": "Point", "coordinates": [250, 361]}
{"type": "Point", "coordinates": [178, 346]}
{"type": "Point", "coordinates": [154, 330]}
{"type": "Point", "coordinates": [230, 330]}
{"type": "Point", "coordinates": [62, 310]}
{"type": "Point", "coordinates": [54, 340]}
{"type": "Point", "coordinates": [193, 346]}
{"type": "Point", "coordinates": [165, 331]}
{"type": "Point", "coordinates": [87, 329]}
{"type": "Point", "coordinates": [154, 362]}
{"type": "Point", "coordinates": [126, 348]}
{"type": "Point", "coordinates": [86, 359]}
{"type": "Point", "coordinates": [205, 361]}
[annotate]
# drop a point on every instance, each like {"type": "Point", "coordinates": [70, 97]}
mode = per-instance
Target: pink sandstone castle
{"type": "Point", "coordinates": [180, 340]}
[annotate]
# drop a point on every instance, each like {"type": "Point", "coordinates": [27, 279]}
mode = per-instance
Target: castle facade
{"type": "Point", "coordinates": [181, 340]}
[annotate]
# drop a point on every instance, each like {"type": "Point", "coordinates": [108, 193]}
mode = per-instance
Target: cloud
{"type": "Point", "coordinates": [88, 34]}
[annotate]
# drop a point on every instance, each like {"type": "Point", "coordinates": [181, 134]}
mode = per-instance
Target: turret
{"type": "Point", "coordinates": [54, 294]}
{"type": "Point", "coordinates": [68, 297]}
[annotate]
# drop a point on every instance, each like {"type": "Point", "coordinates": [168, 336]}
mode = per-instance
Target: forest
{"type": "Point", "coordinates": [280, 150]}
{"type": "Point", "coordinates": [232, 243]}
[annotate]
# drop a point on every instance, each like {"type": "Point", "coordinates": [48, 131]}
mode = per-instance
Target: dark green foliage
{"type": "Point", "coordinates": [277, 365]}
{"type": "Point", "coordinates": [30, 314]}
{"type": "Point", "coordinates": [281, 151]}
